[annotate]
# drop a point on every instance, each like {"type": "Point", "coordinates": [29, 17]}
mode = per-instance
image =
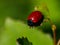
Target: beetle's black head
{"type": "Point", "coordinates": [30, 23]}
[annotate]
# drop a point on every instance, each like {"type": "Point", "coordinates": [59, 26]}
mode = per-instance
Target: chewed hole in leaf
{"type": "Point", "coordinates": [23, 41]}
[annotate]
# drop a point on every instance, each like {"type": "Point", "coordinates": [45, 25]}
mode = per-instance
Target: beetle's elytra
{"type": "Point", "coordinates": [35, 18]}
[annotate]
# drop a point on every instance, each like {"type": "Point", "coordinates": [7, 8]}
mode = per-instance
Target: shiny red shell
{"type": "Point", "coordinates": [35, 16]}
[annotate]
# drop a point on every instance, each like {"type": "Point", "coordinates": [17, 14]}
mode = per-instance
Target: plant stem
{"type": "Point", "coordinates": [51, 23]}
{"type": "Point", "coordinates": [54, 31]}
{"type": "Point", "coordinates": [54, 36]}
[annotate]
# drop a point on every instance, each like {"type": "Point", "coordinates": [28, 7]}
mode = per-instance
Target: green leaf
{"type": "Point", "coordinates": [16, 29]}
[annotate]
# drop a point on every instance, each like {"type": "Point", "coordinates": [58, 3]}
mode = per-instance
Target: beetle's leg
{"type": "Point", "coordinates": [45, 20]}
{"type": "Point", "coordinates": [30, 27]}
{"type": "Point", "coordinates": [41, 24]}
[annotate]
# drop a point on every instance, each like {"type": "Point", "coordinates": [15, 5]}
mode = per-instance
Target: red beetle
{"type": "Point", "coordinates": [35, 18]}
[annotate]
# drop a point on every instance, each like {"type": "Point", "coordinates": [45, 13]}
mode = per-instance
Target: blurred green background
{"type": "Point", "coordinates": [13, 21]}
